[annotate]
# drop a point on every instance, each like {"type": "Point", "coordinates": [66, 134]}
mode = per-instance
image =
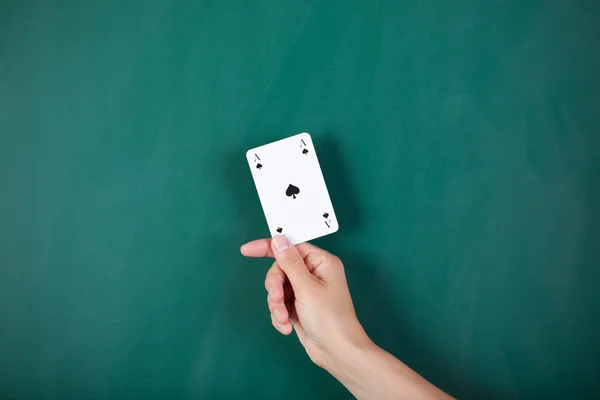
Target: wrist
{"type": "Point", "coordinates": [370, 372]}
{"type": "Point", "coordinates": [353, 351]}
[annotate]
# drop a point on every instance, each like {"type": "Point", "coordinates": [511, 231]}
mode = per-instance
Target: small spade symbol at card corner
{"type": "Point", "coordinates": [305, 152]}
{"type": "Point", "coordinates": [325, 215]}
{"type": "Point", "coordinates": [292, 191]}
{"type": "Point", "coordinates": [259, 165]}
{"type": "Point", "coordinates": [279, 230]}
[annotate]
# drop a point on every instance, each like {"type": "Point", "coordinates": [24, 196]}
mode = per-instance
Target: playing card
{"type": "Point", "coordinates": [292, 189]}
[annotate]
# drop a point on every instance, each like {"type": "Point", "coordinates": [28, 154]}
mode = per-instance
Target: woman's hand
{"type": "Point", "coordinates": [307, 290]}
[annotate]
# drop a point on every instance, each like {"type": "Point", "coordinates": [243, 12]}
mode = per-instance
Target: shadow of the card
{"type": "Point", "coordinates": [340, 187]}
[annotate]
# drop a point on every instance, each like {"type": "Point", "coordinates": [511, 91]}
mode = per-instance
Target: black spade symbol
{"type": "Point", "coordinates": [259, 165]}
{"type": "Point", "coordinates": [279, 230]}
{"type": "Point", "coordinates": [325, 215]}
{"type": "Point", "coordinates": [305, 152]}
{"type": "Point", "coordinates": [292, 191]}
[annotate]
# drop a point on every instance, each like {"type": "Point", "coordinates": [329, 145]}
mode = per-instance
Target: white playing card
{"type": "Point", "coordinates": [292, 189]}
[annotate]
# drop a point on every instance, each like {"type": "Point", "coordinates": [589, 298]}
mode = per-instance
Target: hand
{"type": "Point", "coordinates": [309, 294]}
{"type": "Point", "coordinates": [307, 290]}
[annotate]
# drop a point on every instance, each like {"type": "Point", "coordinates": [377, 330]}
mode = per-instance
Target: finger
{"type": "Point", "coordinates": [324, 265]}
{"type": "Point", "coordinates": [279, 311]}
{"type": "Point", "coordinates": [276, 296]}
{"type": "Point", "coordinates": [292, 263]}
{"type": "Point", "coordinates": [274, 282]}
{"type": "Point", "coordinates": [297, 326]}
{"type": "Point", "coordinates": [262, 248]}
{"type": "Point", "coordinates": [257, 248]}
{"type": "Point", "coordinates": [285, 329]}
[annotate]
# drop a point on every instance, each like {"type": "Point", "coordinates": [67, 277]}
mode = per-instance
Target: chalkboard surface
{"type": "Point", "coordinates": [459, 139]}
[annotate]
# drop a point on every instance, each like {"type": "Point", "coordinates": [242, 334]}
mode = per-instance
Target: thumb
{"type": "Point", "coordinates": [291, 262]}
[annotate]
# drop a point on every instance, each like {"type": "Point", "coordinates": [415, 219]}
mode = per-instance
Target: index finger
{"type": "Point", "coordinates": [257, 248]}
{"type": "Point", "coordinates": [262, 248]}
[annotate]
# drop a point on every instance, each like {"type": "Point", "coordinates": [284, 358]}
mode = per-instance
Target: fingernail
{"type": "Point", "coordinates": [281, 243]}
{"type": "Point", "coordinates": [278, 315]}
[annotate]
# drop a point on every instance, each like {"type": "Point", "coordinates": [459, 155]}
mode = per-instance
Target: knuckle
{"type": "Point", "coordinates": [335, 260]}
{"type": "Point", "coordinates": [332, 261]}
{"type": "Point", "coordinates": [269, 282]}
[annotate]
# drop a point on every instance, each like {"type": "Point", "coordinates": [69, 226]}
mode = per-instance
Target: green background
{"type": "Point", "coordinates": [459, 139]}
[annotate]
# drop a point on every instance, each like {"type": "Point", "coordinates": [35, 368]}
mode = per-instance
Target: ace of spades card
{"type": "Point", "coordinates": [292, 189]}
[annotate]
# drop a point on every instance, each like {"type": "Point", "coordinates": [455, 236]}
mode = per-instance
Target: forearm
{"type": "Point", "coordinates": [369, 372]}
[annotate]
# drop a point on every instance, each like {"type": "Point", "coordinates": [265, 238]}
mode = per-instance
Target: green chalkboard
{"type": "Point", "coordinates": [460, 141]}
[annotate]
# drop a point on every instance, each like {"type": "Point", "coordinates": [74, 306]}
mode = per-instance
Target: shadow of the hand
{"type": "Point", "coordinates": [381, 306]}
